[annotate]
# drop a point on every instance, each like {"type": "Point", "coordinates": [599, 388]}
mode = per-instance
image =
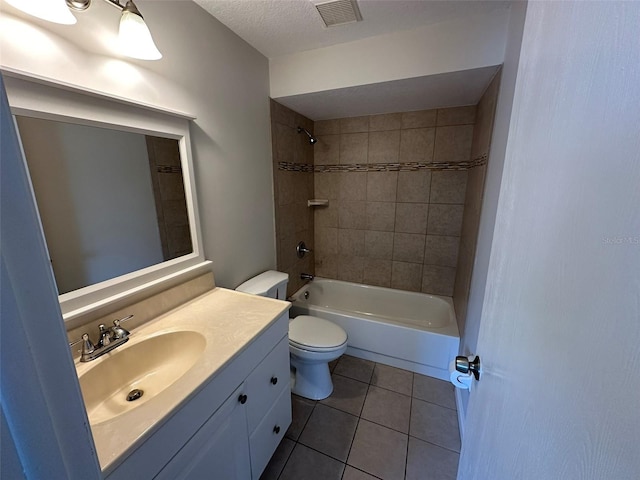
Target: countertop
{"type": "Point", "coordinates": [228, 320]}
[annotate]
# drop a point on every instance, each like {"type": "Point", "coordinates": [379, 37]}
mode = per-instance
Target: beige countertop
{"type": "Point", "coordinates": [228, 320]}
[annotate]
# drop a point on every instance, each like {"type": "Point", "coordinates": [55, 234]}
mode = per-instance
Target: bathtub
{"type": "Point", "coordinates": [414, 331]}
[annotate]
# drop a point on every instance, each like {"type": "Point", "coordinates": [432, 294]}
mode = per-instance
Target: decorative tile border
{"type": "Point", "coordinates": [382, 167]}
{"type": "Point", "coordinates": [168, 169]}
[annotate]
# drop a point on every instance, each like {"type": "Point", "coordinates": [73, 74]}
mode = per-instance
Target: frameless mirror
{"type": "Point", "coordinates": [111, 202]}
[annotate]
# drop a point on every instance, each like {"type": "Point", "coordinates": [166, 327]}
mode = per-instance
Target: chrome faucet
{"type": "Point", "coordinates": [306, 276]}
{"type": "Point", "coordinates": [110, 338]}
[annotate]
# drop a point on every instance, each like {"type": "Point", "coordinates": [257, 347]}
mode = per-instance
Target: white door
{"type": "Point", "coordinates": [560, 332]}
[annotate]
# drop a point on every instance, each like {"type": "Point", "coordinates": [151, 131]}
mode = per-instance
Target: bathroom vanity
{"type": "Point", "coordinates": [224, 414]}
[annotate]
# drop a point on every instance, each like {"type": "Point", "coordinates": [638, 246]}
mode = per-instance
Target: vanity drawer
{"type": "Point", "coordinates": [267, 382]}
{"type": "Point", "coordinates": [268, 435]}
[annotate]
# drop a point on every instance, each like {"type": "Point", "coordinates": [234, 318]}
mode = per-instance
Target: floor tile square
{"type": "Point", "coordinates": [301, 409]}
{"type": "Point", "coordinates": [435, 424]}
{"type": "Point", "coordinates": [351, 473]}
{"type": "Point", "coordinates": [430, 462]}
{"type": "Point", "coordinates": [387, 408]}
{"type": "Point", "coordinates": [434, 390]}
{"type": "Point", "coordinates": [278, 460]}
{"type": "Point", "coordinates": [379, 451]}
{"type": "Point", "coordinates": [356, 368]}
{"type": "Point", "coordinates": [330, 431]}
{"type": "Point", "coordinates": [305, 463]}
{"type": "Point", "coordinates": [392, 378]}
{"type": "Point", "coordinates": [348, 395]}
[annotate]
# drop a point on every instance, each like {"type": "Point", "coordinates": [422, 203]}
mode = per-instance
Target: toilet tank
{"type": "Point", "coordinates": [270, 284]}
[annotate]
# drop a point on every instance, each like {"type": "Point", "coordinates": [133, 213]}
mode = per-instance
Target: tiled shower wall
{"type": "Point", "coordinates": [396, 185]}
{"type": "Point", "coordinates": [473, 200]}
{"type": "Point", "coordinates": [293, 186]}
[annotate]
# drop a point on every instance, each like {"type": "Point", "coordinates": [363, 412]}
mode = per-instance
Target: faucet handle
{"type": "Point", "coordinates": [87, 346]}
{"type": "Point", "coordinates": [117, 330]}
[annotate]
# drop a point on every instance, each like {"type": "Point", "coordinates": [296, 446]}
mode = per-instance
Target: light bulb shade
{"type": "Point", "coordinates": [51, 10]}
{"type": "Point", "coordinates": [135, 37]}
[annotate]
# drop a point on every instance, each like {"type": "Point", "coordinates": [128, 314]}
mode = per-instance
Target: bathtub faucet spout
{"type": "Point", "coordinates": [306, 276]}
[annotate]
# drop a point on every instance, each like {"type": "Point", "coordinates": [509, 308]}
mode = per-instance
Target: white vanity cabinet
{"type": "Point", "coordinates": [230, 428]}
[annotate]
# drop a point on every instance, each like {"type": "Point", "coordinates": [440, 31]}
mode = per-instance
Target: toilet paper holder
{"type": "Point", "coordinates": [464, 365]}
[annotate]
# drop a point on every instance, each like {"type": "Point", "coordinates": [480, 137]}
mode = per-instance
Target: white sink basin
{"type": "Point", "coordinates": [150, 365]}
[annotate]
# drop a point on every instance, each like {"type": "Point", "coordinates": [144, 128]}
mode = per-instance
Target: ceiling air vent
{"type": "Point", "coordinates": [339, 12]}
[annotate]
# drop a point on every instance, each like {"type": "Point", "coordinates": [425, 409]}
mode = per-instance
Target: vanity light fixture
{"type": "Point", "coordinates": [51, 10]}
{"type": "Point", "coordinates": [134, 35]}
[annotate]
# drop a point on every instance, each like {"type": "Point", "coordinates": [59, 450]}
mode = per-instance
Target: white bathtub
{"type": "Point", "coordinates": [414, 331]}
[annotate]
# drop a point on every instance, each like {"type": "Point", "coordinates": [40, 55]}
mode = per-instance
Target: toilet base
{"type": "Point", "coordinates": [311, 380]}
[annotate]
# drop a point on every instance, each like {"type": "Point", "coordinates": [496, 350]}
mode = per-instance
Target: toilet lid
{"type": "Point", "coordinates": [315, 333]}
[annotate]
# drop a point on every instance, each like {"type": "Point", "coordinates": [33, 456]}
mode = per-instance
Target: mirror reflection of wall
{"type": "Point", "coordinates": [111, 202]}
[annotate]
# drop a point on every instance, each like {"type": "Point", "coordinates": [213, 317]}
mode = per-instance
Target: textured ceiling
{"type": "Point", "coordinates": [281, 27]}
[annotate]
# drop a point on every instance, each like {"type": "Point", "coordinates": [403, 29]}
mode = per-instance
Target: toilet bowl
{"type": "Point", "coordinates": [313, 341]}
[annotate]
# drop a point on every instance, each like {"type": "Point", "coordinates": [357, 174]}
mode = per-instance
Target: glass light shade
{"type": "Point", "coordinates": [135, 38]}
{"type": "Point", "coordinates": [51, 10]}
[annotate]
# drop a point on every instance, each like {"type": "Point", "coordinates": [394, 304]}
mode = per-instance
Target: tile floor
{"type": "Point", "coordinates": [380, 422]}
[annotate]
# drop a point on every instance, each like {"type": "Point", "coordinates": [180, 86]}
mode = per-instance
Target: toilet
{"type": "Point", "coordinates": [313, 341]}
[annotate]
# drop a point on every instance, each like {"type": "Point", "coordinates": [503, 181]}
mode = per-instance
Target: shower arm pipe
{"type": "Point", "coordinates": [80, 5]}
{"type": "Point", "coordinates": [312, 139]}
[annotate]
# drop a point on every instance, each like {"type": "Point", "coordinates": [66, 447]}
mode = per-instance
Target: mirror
{"type": "Point", "coordinates": [111, 202]}
{"type": "Point", "coordinates": [114, 237]}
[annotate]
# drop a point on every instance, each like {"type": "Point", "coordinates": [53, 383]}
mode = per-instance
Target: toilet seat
{"type": "Point", "coordinates": [315, 334]}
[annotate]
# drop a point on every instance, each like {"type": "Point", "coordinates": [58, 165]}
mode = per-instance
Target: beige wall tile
{"type": "Point", "coordinates": [441, 250]}
{"type": "Point", "coordinates": [327, 127]}
{"type": "Point", "coordinates": [456, 116]}
{"type": "Point", "coordinates": [326, 266]}
{"type": "Point", "coordinates": [377, 272]}
{"type": "Point", "coordinates": [350, 242]}
{"type": "Point", "coordinates": [419, 119]}
{"type": "Point", "coordinates": [284, 143]}
{"type": "Point", "coordinates": [326, 185]}
{"type": "Point", "coordinates": [354, 148]}
{"type": "Point", "coordinates": [327, 150]}
{"type": "Point", "coordinates": [448, 187]}
{"type": "Point", "coordinates": [438, 280]}
{"type": "Point", "coordinates": [453, 144]}
{"type": "Point", "coordinates": [326, 241]}
{"type": "Point", "coordinates": [286, 187]}
{"type": "Point", "coordinates": [287, 253]}
{"type": "Point", "coordinates": [302, 217]}
{"type": "Point", "coordinates": [354, 124]}
{"type": "Point", "coordinates": [484, 119]}
{"type": "Point", "coordinates": [416, 145]}
{"type": "Point", "coordinates": [411, 218]}
{"type": "Point", "coordinates": [384, 147]}
{"type": "Point", "coordinates": [352, 215]}
{"type": "Point", "coordinates": [326, 216]}
{"type": "Point", "coordinates": [387, 121]}
{"type": "Point", "coordinates": [282, 114]}
{"type": "Point", "coordinates": [408, 247]}
{"type": "Point", "coordinates": [378, 244]}
{"type": "Point", "coordinates": [352, 186]}
{"type": "Point", "coordinates": [350, 269]}
{"type": "Point", "coordinates": [406, 276]}
{"type": "Point", "coordinates": [382, 186]}
{"type": "Point", "coordinates": [414, 186]}
{"type": "Point", "coordinates": [380, 216]}
{"type": "Point", "coordinates": [445, 219]}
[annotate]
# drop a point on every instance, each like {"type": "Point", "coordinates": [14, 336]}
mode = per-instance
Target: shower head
{"type": "Point", "coordinates": [312, 139]}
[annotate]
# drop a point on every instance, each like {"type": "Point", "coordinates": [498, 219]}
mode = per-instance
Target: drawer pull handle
{"type": "Point", "coordinates": [242, 398]}
{"type": "Point", "coordinates": [276, 429]}
{"type": "Point", "coordinates": [274, 380]}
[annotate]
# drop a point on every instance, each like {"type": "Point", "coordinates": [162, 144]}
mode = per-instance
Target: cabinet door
{"type": "Point", "coordinates": [218, 451]}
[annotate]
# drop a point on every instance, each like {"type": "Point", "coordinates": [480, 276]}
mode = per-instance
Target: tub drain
{"type": "Point", "coordinates": [134, 394]}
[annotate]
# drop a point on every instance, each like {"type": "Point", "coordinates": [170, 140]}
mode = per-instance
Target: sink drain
{"type": "Point", "coordinates": [134, 394]}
